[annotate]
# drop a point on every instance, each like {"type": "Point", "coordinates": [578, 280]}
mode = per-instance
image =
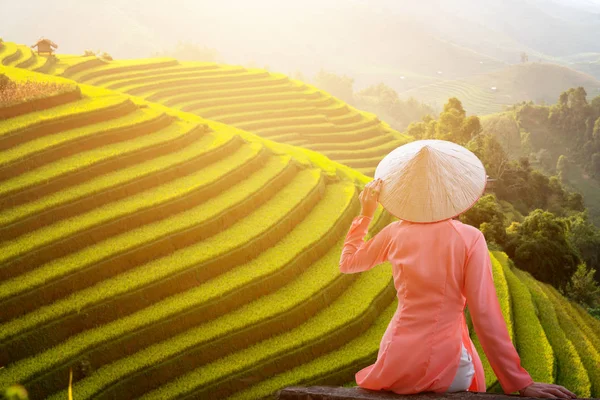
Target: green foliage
{"type": "Point", "coordinates": [594, 166]}
{"type": "Point", "coordinates": [452, 125]}
{"type": "Point", "coordinates": [384, 101]}
{"type": "Point", "coordinates": [339, 86]}
{"type": "Point", "coordinates": [585, 237]}
{"type": "Point", "coordinates": [544, 157]}
{"type": "Point", "coordinates": [540, 246]}
{"type": "Point", "coordinates": [528, 189]}
{"type": "Point", "coordinates": [526, 146]}
{"type": "Point", "coordinates": [487, 148]}
{"type": "Point", "coordinates": [15, 392]}
{"type": "Point", "coordinates": [505, 129]}
{"type": "Point", "coordinates": [517, 182]}
{"type": "Point", "coordinates": [190, 52]}
{"type": "Point", "coordinates": [488, 216]}
{"type": "Point", "coordinates": [582, 287]}
{"type": "Point", "coordinates": [596, 131]}
{"type": "Point", "coordinates": [105, 56]}
{"type": "Point", "coordinates": [595, 312]}
{"type": "Point", "coordinates": [562, 167]}
{"type": "Point", "coordinates": [570, 125]}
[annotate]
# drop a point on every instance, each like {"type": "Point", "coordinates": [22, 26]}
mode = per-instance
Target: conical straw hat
{"type": "Point", "coordinates": [430, 180]}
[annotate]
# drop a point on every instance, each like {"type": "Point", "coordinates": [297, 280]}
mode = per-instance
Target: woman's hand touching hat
{"type": "Point", "coordinates": [369, 197]}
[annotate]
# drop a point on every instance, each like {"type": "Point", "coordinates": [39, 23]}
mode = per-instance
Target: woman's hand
{"type": "Point", "coordinates": [369, 197]}
{"type": "Point", "coordinates": [539, 389]}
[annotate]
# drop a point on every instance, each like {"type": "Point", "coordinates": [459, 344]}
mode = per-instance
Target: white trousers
{"type": "Point", "coordinates": [464, 374]}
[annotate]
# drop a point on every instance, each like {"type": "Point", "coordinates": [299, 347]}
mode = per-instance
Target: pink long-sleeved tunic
{"type": "Point", "coordinates": [437, 268]}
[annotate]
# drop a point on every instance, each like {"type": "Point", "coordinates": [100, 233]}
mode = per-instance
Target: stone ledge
{"type": "Point", "coordinates": [358, 393]}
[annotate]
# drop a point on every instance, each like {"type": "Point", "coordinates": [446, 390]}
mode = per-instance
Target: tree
{"type": "Point", "coordinates": [384, 101]}
{"type": "Point", "coordinates": [562, 167]}
{"type": "Point", "coordinates": [596, 130]}
{"type": "Point", "coordinates": [526, 147]}
{"type": "Point", "coordinates": [339, 86]}
{"type": "Point", "coordinates": [454, 125]}
{"type": "Point", "coordinates": [544, 157]}
{"type": "Point", "coordinates": [540, 245]}
{"type": "Point", "coordinates": [299, 76]}
{"type": "Point", "coordinates": [524, 57]}
{"type": "Point", "coordinates": [191, 52]}
{"type": "Point", "coordinates": [595, 165]}
{"type": "Point", "coordinates": [487, 215]}
{"type": "Point", "coordinates": [582, 287]}
{"type": "Point", "coordinates": [489, 150]}
{"type": "Point", "coordinates": [585, 237]}
{"type": "Point", "coordinates": [385, 95]}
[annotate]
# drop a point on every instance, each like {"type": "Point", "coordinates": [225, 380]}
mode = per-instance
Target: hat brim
{"type": "Point", "coordinates": [443, 219]}
{"type": "Point", "coordinates": [428, 181]}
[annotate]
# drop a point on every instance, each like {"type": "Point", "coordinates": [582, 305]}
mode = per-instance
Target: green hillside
{"type": "Point", "coordinates": [491, 92]}
{"type": "Point", "coordinates": [164, 255]}
{"type": "Point", "coordinates": [270, 105]}
{"type": "Point", "coordinates": [568, 129]}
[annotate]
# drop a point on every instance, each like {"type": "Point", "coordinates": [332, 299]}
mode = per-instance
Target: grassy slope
{"type": "Point", "coordinates": [266, 104]}
{"type": "Point", "coordinates": [40, 315]}
{"type": "Point", "coordinates": [505, 127]}
{"type": "Point", "coordinates": [357, 348]}
{"type": "Point", "coordinates": [515, 83]}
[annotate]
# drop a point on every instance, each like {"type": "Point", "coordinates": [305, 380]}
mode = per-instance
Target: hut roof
{"type": "Point", "coordinates": [46, 41]}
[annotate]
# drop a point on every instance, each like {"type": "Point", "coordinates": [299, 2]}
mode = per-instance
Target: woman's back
{"type": "Point", "coordinates": [430, 259]}
{"type": "Point", "coordinates": [437, 269]}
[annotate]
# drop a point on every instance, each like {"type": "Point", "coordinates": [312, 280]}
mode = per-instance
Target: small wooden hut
{"type": "Point", "coordinates": [45, 46]}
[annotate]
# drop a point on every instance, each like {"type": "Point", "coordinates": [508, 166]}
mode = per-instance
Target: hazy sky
{"type": "Point", "coordinates": [357, 37]}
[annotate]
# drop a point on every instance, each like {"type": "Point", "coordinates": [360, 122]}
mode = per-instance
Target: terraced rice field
{"type": "Point", "coordinates": [476, 100]}
{"type": "Point", "coordinates": [162, 255]}
{"type": "Point", "coordinates": [270, 105]}
{"type": "Point", "coordinates": [22, 56]}
{"type": "Point", "coordinates": [138, 242]}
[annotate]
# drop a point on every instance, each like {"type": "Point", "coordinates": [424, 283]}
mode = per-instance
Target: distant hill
{"type": "Point", "coordinates": [401, 43]}
{"type": "Point", "coordinates": [490, 92]}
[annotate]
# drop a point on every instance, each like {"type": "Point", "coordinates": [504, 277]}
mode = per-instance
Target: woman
{"type": "Point", "coordinates": [439, 266]}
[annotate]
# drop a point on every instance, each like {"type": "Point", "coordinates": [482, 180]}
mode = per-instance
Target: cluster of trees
{"type": "Point", "coordinates": [190, 52]}
{"type": "Point", "coordinates": [379, 99]}
{"type": "Point", "coordinates": [518, 183]}
{"type": "Point", "coordinates": [385, 102]}
{"type": "Point", "coordinates": [571, 127]}
{"type": "Point", "coordinates": [552, 238]}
